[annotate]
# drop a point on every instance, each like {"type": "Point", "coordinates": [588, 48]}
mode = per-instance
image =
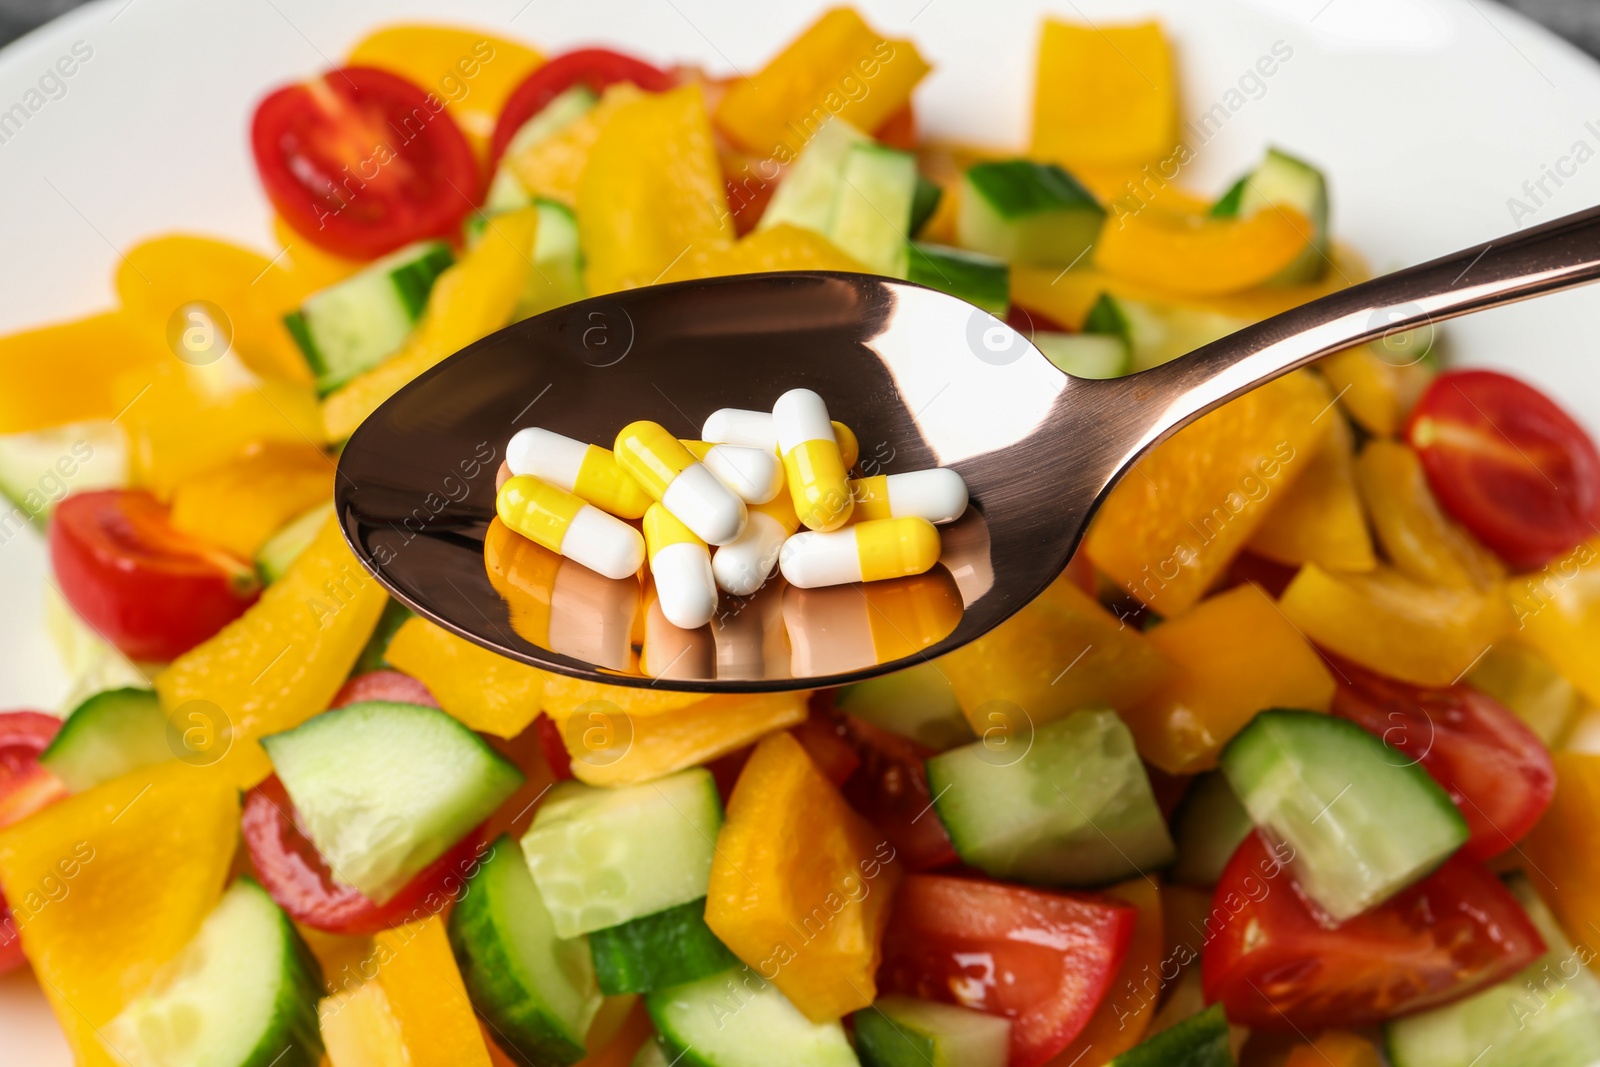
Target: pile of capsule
{"type": "Point", "coordinates": [745, 489]}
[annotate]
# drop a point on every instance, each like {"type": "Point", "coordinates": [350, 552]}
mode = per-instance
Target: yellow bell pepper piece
{"type": "Point", "coordinates": [424, 988]}
{"type": "Point", "coordinates": [1418, 537]}
{"type": "Point", "coordinates": [241, 505]}
{"type": "Point", "coordinates": [485, 690]}
{"type": "Point", "coordinates": [1060, 653]}
{"type": "Point", "coordinates": [800, 884]}
{"type": "Point", "coordinates": [553, 167]}
{"type": "Point", "coordinates": [1198, 254]}
{"type": "Point", "coordinates": [1130, 1002]}
{"type": "Point", "coordinates": [1171, 527]}
{"type": "Point", "coordinates": [1104, 94]}
{"type": "Point", "coordinates": [838, 66]}
{"type": "Point", "coordinates": [108, 885]}
{"type": "Point", "coordinates": [782, 247]}
{"type": "Point", "coordinates": [1368, 388]}
{"type": "Point", "coordinates": [1525, 682]}
{"type": "Point", "coordinates": [280, 662]}
{"type": "Point", "coordinates": [1236, 655]}
{"type": "Point", "coordinates": [1384, 621]}
{"type": "Point", "coordinates": [610, 746]}
{"type": "Point", "coordinates": [307, 268]}
{"type": "Point", "coordinates": [1335, 1048]}
{"type": "Point", "coordinates": [471, 72]}
{"type": "Point", "coordinates": [68, 372]}
{"type": "Point", "coordinates": [470, 300]}
{"type": "Point", "coordinates": [1319, 518]}
{"type": "Point", "coordinates": [652, 192]}
{"type": "Point", "coordinates": [1558, 614]}
{"type": "Point", "coordinates": [359, 1029]}
{"type": "Point", "coordinates": [1563, 849]}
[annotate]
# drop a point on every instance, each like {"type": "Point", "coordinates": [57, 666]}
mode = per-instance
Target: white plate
{"type": "Point", "coordinates": [1429, 116]}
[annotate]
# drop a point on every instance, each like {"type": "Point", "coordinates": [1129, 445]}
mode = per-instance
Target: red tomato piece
{"type": "Point", "coordinates": [1508, 464]}
{"type": "Point", "coordinates": [1274, 967]}
{"type": "Point", "coordinates": [383, 685]}
{"type": "Point", "coordinates": [899, 130]}
{"type": "Point", "coordinates": [25, 787]}
{"type": "Point", "coordinates": [151, 591]}
{"type": "Point", "coordinates": [823, 737]}
{"type": "Point", "coordinates": [361, 162]}
{"type": "Point", "coordinates": [594, 68]}
{"type": "Point", "coordinates": [891, 790]}
{"type": "Point", "coordinates": [291, 869]}
{"type": "Point", "coordinates": [1043, 960]}
{"type": "Point", "coordinates": [553, 747]}
{"type": "Point", "coordinates": [1495, 769]}
{"type": "Point", "coordinates": [1028, 322]}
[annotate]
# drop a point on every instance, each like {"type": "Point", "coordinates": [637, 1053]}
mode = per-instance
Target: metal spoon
{"type": "Point", "coordinates": [923, 378]}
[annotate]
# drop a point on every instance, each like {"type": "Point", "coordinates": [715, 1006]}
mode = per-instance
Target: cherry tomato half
{"type": "Point", "coordinates": [1043, 960]}
{"type": "Point", "coordinates": [25, 787]}
{"type": "Point", "coordinates": [361, 162]}
{"type": "Point", "coordinates": [1508, 464]}
{"type": "Point", "coordinates": [1274, 967]}
{"type": "Point", "coordinates": [148, 589]}
{"type": "Point", "coordinates": [1493, 766]}
{"type": "Point", "coordinates": [291, 869]}
{"type": "Point", "coordinates": [891, 790]}
{"type": "Point", "coordinates": [594, 68]}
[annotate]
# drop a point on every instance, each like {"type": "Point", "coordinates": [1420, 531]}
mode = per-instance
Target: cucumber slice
{"type": "Point", "coordinates": [1285, 179]}
{"type": "Point", "coordinates": [1157, 333]}
{"type": "Point", "coordinates": [603, 857]}
{"type": "Point", "coordinates": [1201, 1040]}
{"type": "Point", "coordinates": [358, 323]}
{"type": "Point", "coordinates": [38, 469]}
{"type": "Point", "coordinates": [385, 788]}
{"type": "Point", "coordinates": [536, 989]}
{"type": "Point", "coordinates": [924, 202]}
{"type": "Point", "coordinates": [107, 736]}
{"type": "Point", "coordinates": [242, 993]}
{"type": "Point", "coordinates": [1076, 808]}
{"type": "Point", "coordinates": [1547, 1016]}
{"type": "Point", "coordinates": [806, 194]}
{"type": "Point", "coordinates": [1364, 820]}
{"type": "Point", "coordinates": [284, 547]}
{"type": "Point", "coordinates": [1026, 212]}
{"type": "Point", "coordinates": [735, 1019]}
{"type": "Point", "coordinates": [872, 216]}
{"type": "Point", "coordinates": [904, 1032]}
{"type": "Point", "coordinates": [1208, 827]}
{"type": "Point", "coordinates": [91, 662]}
{"type": "Point", "coordinates": [671, 947]}
{"type": "Point", "coordinates": [917, 702]}
{"type": "Point", "coordinates": [972, 276]}
{"type": "Point", "coordinates": [1085, 355]}
{"type": "Point", "coordinates": [561, 112]}
{"type": "Point", "coordinates": [374, 653]}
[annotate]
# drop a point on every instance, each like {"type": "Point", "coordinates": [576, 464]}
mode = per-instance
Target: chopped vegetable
{"type": "Point", "coordinates": [1027, 213]}
{"type": "Point", "coordinates": [1104, 94]}
{"type": "Point", "coordinates": [485, 691]}
{"type": "Point", "coordinates": [240, 506]}
{"type": "Point", "coordinates": [1319, 519]}
{"type": "Point", "coordinates": [1419, 539]}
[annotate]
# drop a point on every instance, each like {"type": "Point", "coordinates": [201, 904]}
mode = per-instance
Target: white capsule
{"type": "Point", "coordinates": [681, 567]}
{"type": "Point", "coordinates": [546, 454]}
{"type": "Point", "coordinates": [753, 473]}
{"type": "Point", "coordinates": [705, 505]}
{"type": "Point", "coordinates": [743, 565]}
{"type": "Point", "coordinates": [736, 426]}
{"type": "Point", "coordinates": [800, 415]}
{"type": "Point", "coordinates": [938, 495]}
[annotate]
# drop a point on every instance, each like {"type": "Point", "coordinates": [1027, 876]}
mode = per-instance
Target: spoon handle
{"type": "Point", "coordinates": [1544, 259]}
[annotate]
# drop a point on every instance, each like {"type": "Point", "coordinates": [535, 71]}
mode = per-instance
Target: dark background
{"type": "Point", "coordinates": [1576, 20]}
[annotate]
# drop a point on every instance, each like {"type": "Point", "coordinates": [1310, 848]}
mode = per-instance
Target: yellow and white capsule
{"type": "Point", "coordinates": [564, 523]}
{"type": "Point", "coordinates": [588, 471]}
{"type": "Point", "coordinates": [754, 429]}
{"type": "Point", "coordinates": [681, 567]}
{"type": "Point", "coordinates": [754, 474]}
{"type": "Point", "coordinates": [938, 495]}
{"type": "Point", "coordinates": [685, 486]}
{"type": "Point", "coordinates": [819, 482]}
{"type": "Point", "coordinates": [743, 565]}
{"type": "Point", "coordinates": [865, 552]}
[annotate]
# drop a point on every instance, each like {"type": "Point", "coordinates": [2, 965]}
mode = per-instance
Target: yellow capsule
{"type": "Point", "coordinates": [938, 495]}
{"type": "Point", "coordinates": [681, 567]}
{"type": "Point", "coordinates": [754, 429]}
{"type": "Point", "coordinates": [865, 552]}
{"type": "Point", "coordinates": [819, 482]}
{"type": "Point", "coordinates": [849, 446]}
{"type": "Point", "coordinates": [564, 523]}
{"type": "Point", "coordinates": [588, 471]}
{"type": "Point", "coordinates": [754, 474]}
{"type": "Point", "coordinates": [669, 472]}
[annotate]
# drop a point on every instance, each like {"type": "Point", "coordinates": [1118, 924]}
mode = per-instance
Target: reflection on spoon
{"type": "Point", "coordinates": [848, 627]}
{"type": "Point", "coordinates": [751, 640]}
{"type": "Point", "coordinates": [561, 605]}
{"type": "Point", "coordinates": [966, 554]}
{"type": "Point", "coordinates": [673, 652]}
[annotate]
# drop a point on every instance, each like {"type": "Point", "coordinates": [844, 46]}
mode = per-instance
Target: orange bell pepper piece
{"type": "Point", "coordinates": [68, 372]}
{"type": "Point", "coordinates": [241, 505]}
{"type": "Point", "coordinates": [1104, 94]}
{"type": "Point", "coordinates": [838, 66]}
{"type": "Point", "coordinates": [782, 247]}
{"type": "Point", "coordinates": [423, 984]}
{"type": "Point", "coordinates": [652, 191]}
{"type": "Point", "coordinates": [1558, 614]}
{"type": "Point", "coordinates": [1170, 528]}
{"type": "Point", "coordinates": [1383, 620]}
{"type": "Point", "coordinates": [1198, 254]}
{"type": "Point", "coordinates": [800, 883]}
{"type": "Point", "coordinates": [1130, 1001]}
{"type": "Point", "coordinates": [1335, 1048]}
{"type": "Point", "coordinates": [1236, 655]}
{"type": "Point", "coordinates": [281, 662]}
{"type": "Point", "coordinates": [485, 690]}
{"type": "Point", "coordinates": [1418, 537]}
{"type": "Point", "coordinates": [1061, 653]}
{"type": "Point", "coordinates": [108, 885]}
{"type": "Point", "coordinates": [1563, 848]}
{"type": "Point", "coordinates": [1368, 388]}
{"type": "Point", "coordinates": [359, 1029]}
{"type": "Point", "coordinates": [553, 167]}
{"type": "Point", "coordinates": [307, 268]}
{"type": "Point", "coordinates": [1319, 518]}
